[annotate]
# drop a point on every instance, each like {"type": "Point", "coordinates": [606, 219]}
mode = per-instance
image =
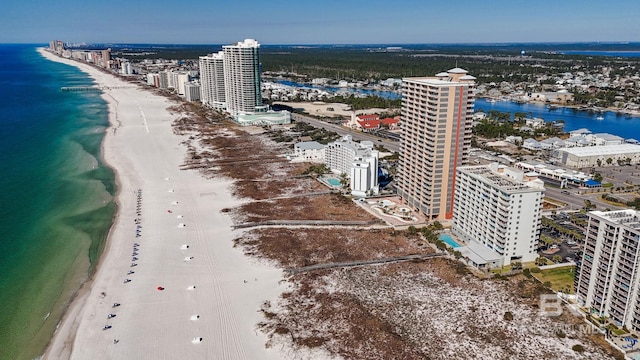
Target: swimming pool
{"type": "Point", "coordinates": [449, 241]}
{"type": "Point", "coordinates": [333, 181]}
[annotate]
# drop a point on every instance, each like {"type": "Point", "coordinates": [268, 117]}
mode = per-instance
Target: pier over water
{"type": "Point", "coordinates": [92, 88]}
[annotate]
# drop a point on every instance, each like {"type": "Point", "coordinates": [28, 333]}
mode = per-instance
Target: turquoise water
{"type": "Point", "coordinates": [449, 240]}
{"type": "Point", "coordinates": [56, 203]}
{"type": "Point", "coordinates": [333, 181]}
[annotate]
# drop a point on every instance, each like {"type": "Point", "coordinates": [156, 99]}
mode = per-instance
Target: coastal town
{"type": "Point", "coordinates": [414, 227]}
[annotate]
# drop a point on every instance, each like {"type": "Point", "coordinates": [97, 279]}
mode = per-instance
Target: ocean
{"type": "Point", "coordinates": [56, 203]}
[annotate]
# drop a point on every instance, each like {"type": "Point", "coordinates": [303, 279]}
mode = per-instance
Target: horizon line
{"type": "Point", "coordinates": [614, 42]}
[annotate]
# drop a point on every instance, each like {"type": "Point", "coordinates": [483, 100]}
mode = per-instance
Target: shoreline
{"type": "Point", "coordinates": [167, 317]}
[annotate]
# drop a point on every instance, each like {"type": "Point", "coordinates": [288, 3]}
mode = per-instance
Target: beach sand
{"type": "Point", "coordinates": [211, 290]}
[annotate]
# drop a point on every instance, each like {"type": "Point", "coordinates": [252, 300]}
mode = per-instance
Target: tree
{"type": "Point", "coordinates": [344, 180]}
{"type": "Point", "coordinates": [436, 226]}
{"type": "Point", "coordinates": [556, 259]}
{"type": "Point", "coordinates": [609, 161]}
{"type": "Point", "coordinates": [588, 205]}
{"type": "Point", "coordinates": [599, 162]}
{"type": "Point", "coordinates": [597, 176]}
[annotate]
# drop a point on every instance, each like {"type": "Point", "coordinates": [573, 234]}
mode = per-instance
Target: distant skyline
{"type": "Point", "coordinates": [326, 22]}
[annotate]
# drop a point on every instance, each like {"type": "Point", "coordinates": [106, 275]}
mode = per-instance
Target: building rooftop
{"type": "Point", "coordinates": [309, 145]}
{"type": "Point", "coordinates": [627, 217]}
{"type": "Point", "coordinates": [435, 81]}
{"type": "Point", "coordinates": [500, 176]}
{"type": "Point", "coordinates": [479, 254]}
{"type": "Point", "coordinates": [457, 71]}
{"type": "Point", "coordinates": [608, 137]}
{"type": "Point", "coordinates": [602, 150]}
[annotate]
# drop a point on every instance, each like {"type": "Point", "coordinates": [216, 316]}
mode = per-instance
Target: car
{"type": "Point", "coordinates": [565, 192]}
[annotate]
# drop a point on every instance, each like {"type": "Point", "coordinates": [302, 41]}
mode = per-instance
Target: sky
{"type": "Point", "coordinates": [319, 22]}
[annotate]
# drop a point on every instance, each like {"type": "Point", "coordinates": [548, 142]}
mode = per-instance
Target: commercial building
{"type": "Point", "coordinates": [604, 155]}
{"type": "Point", "coordinates": [212, 80]}
{"type": "Point", "coordinates": [500, 208]}
{"type": "Point", "coordinates": [607, 280]}
{"type": "Point", "coordinates": [436, 121]}
{"type": "Point", "coordinates": [359, 161]}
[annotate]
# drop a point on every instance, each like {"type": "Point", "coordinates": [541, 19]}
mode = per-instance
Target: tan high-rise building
{"type": "Point", "coordinates": [106, 58]}
{"type": "Point", "coordinates": [436, 123]}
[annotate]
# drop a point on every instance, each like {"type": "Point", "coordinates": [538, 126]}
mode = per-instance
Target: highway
{"type": "Point", "coordinates": [391, 145]}
{"type": "Point", "coordinates": [573, 199]}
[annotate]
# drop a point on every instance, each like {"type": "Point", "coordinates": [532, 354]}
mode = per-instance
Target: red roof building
{"type": "Point", "coordinates": [368, 125]}
{"type": "Point", "coordinates": [366, 117]}
{"type": "Point", "coordinates": [391, 123]}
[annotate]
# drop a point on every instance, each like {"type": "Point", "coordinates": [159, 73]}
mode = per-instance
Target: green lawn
{"type": "Point", "coordinates": [561, 279]}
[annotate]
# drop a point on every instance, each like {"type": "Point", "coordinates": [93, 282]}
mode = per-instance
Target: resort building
{"type": "Point", "coordinates": [212, 80]}
{"type": "Point", "coordinates": [231, 80]}
{"type": "Point", "coordinates": [436, 121]}
{"type": "Point", "coordinates": [242, 77]}
{"type": "Point", "coordinates": [359, 161]}
{"type": "Point", "coordinates": [589, 156]}
{"type": "Point", "coordinates": [500, 208]}
{"type": "Point", "coordinates": [607, 280]}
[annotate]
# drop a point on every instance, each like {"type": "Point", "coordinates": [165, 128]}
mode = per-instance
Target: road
{"type": "Point", "coordinates": [574, 199]}
{"type": "Point", "coordinates": [391, 145]}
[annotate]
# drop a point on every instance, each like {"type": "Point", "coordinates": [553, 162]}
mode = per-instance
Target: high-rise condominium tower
{"type": "Point", "coordinates": [607, 280]}
{"type": "Point", "coordinates": [212, 90]}
{"type": "Point", "coordinates": [242, 77]}
{"type": "Point", "coordinates": [436, 120]}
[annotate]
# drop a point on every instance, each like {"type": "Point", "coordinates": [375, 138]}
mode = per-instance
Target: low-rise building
{"type": "Point", "coordinates": [590, 156]}
{"type": "Point", "coordinates": [601, 139]}
{"type": "Point", "coordinates": [535, 123]}
{"type": "Point", "coordinates": [531, 144]}
{"type": "Point", "coordinates": [309, 151]}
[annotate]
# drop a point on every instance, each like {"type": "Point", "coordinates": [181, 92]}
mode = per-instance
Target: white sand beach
{"type": "Point", "coordinates": [211, 290]}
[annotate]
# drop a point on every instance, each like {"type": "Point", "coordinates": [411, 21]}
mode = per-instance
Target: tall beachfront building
{"type": "Point", "coordinates": [242, 77]}
{"type": "Point", "coordinates": [106, 58]}
{"type": "Point", "coordinates": [436, 123]}
{"type": "Point", "coordinates": [500, 208]}
{"type": "Point", "coordinates": [230, 80]}
{"type": "Point", "coordinates": [608, 279]}
{"type": "Point", "coordinates": [212, 91]}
